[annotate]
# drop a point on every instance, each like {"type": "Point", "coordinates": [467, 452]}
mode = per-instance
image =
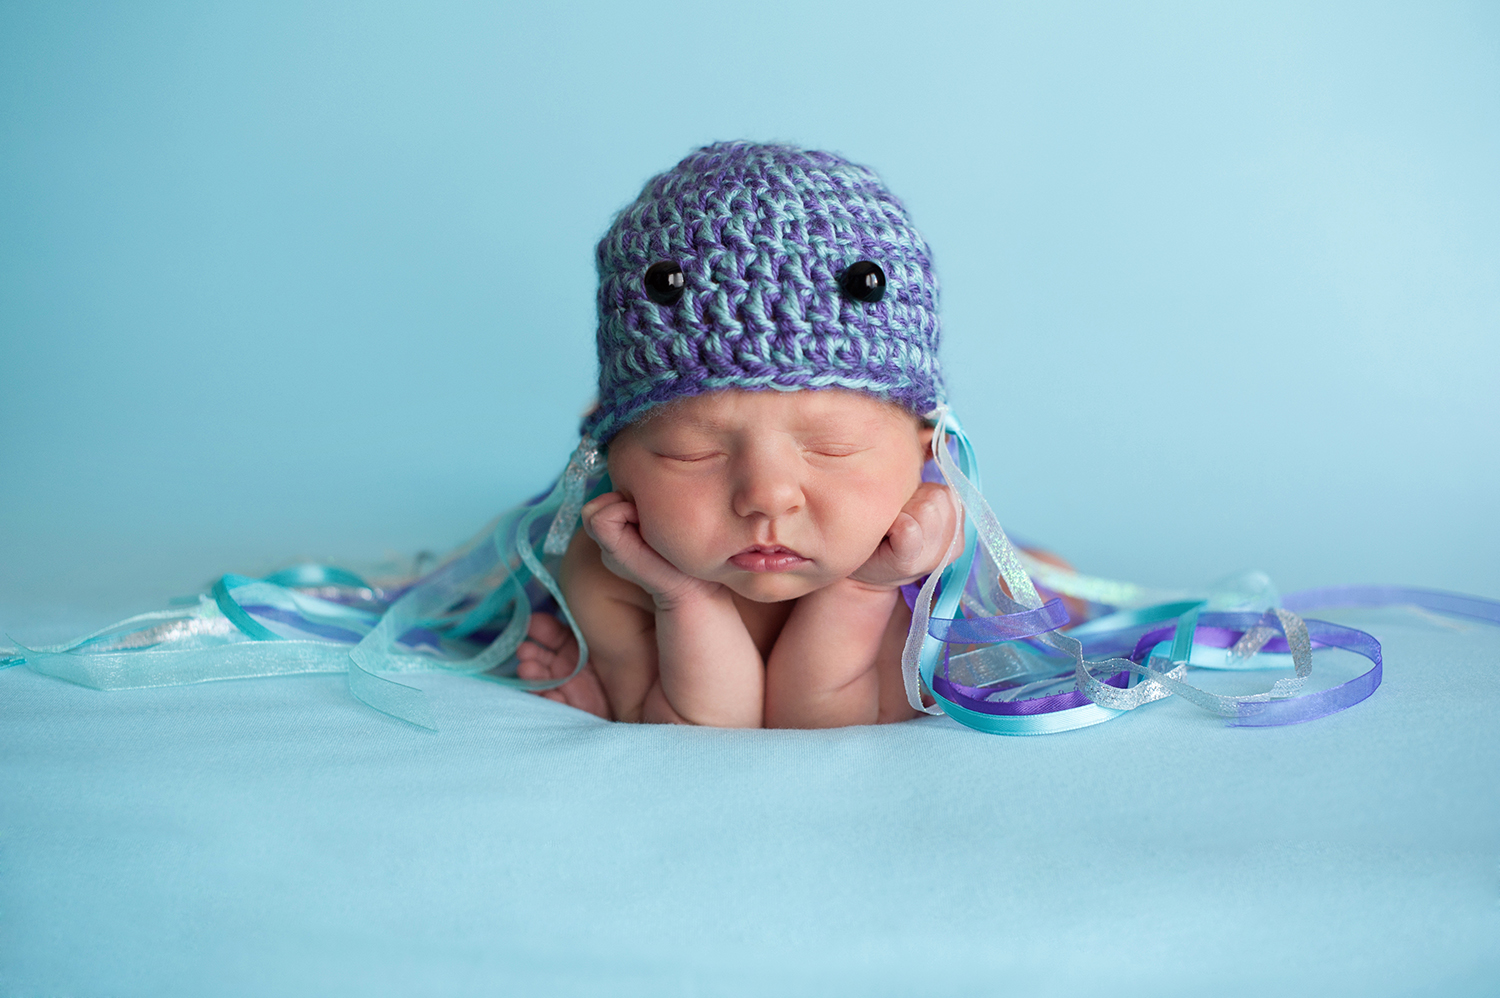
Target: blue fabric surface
{"type": "Point", "coordinates": [274, 837]}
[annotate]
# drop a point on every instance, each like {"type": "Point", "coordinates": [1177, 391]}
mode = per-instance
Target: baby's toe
{"type": "Point", "coordinates": [547, 631]}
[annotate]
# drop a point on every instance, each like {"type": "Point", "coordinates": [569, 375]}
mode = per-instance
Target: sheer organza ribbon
{"type": "Point", "coordinates": [469, 615]}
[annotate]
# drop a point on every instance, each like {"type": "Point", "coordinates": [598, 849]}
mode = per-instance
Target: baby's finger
{"type": "Point", "coordinates": [610, 506]}
{"type": "Point", "coordinates": [906, 540]}
{"type": "Point", "coordinates": [613, 525]}
{"type": "Point", "coordinates": [934, 507]}
{"type": "Point", "coordinates": [937, 519]}
{"type": "Point", "coordinates": [597, 503]}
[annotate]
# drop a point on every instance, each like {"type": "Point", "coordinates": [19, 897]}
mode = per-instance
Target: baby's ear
{"type": "Point", "coordinates": [924, 434]}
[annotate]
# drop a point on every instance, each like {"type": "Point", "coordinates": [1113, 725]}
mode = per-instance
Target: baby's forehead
{"type": "Point", "coordinates": [811, 410]}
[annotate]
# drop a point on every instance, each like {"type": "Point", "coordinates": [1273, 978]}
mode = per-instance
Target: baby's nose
{"type": "Point", "coordinates": [767, 485]}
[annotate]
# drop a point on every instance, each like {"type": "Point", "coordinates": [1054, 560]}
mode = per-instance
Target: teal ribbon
{"type": "Point", "coordinates": [1028, 724]}
{"type": "Point", "coordinates": [248, 625]}
{"type": "Point", "coordinates": [311, 576]}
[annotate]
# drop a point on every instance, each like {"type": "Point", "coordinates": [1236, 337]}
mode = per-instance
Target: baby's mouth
{"type": "Point", "coordinates": [767, 558]}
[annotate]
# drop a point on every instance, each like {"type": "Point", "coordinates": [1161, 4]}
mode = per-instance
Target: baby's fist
{"type": "Point", "coordinates": [614, 523]}
{"type": "Point", "coordinates": [917, 542]}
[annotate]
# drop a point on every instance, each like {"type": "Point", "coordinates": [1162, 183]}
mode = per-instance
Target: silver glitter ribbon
{"type": "Point", "coordinates": [586, 462]}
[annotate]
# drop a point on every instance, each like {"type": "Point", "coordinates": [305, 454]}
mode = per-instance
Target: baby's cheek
{"type": "Point", "coordinates": [652, 533]}
{"type": "Point", "coordinates": [863, 540]}
{"type": "Point", "coordinates": [669, 536]}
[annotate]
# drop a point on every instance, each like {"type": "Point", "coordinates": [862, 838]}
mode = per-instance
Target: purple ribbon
{"type": "Point", "coordinates": [415, 638]}
{"type": "Point", "coordinates": [1222, 630]}
{"type": "Point", "coordinates": [1456, 604]}
{"type": "Point", "coordinates": [1005, 627]}
{"type": "Point", "coordinates": [1324, 702]}
{"type": "Point", "coordinates": [973, 698]}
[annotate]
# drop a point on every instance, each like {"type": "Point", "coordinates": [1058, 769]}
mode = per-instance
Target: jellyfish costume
{"type": "Point", "coordinates": [767, 268]}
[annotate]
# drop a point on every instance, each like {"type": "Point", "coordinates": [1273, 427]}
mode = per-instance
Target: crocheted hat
{"type": "Point", "coordinates": [749, 266]}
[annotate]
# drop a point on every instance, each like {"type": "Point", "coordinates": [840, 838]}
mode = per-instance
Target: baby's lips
{"type": "Point", "coordinates": [767, 558]}
{"type": "Point", "coordinates": [771, 549]}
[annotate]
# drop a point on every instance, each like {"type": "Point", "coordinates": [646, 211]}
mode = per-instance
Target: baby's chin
{"type": "Point", "coordinates": [773, 587]}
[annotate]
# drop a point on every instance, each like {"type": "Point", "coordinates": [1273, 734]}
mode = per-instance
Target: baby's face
{"type": "Point", "coordinates": [773, 494]}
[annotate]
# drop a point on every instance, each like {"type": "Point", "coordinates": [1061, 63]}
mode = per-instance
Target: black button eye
{"type": "Point", "coordinates": [864, 281]}
{"type": "Point", "coordinates": [664, 282]}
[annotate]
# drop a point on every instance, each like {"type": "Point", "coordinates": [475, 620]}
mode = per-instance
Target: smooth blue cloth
{"type": "Point", "coordinates": [276, 837]}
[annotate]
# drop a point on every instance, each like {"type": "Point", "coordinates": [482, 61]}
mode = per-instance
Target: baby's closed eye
{"type": "Point", "coordinates": [692, 456]}
{"type": "Point", "coordinates": [834, 448]}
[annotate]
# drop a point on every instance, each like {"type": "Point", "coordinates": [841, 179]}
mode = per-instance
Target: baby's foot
{"type": "Point", "coordinates": [551, 652]}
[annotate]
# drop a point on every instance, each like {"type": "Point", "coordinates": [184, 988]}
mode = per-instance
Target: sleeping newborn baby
{"type": "Point", "coordinates": [768, 357]}
{"type": "Point", "coordinates": [745, 570]}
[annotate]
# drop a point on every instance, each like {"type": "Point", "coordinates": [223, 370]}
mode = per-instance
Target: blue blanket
{"type": "Point", "coordinates": [275, 837]}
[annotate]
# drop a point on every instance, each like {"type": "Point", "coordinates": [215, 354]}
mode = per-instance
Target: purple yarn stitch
{"type": "Point", "coordinates": [762, 234]}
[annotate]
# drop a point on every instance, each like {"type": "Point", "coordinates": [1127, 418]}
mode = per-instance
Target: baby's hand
{"type": "Point", "coordinates": [917, 542]}
{"type": "Point", "coordinates": [614, 524]}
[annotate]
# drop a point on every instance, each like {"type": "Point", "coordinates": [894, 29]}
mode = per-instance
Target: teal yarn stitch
{"type": "Point", "coordinates": [763, 234]}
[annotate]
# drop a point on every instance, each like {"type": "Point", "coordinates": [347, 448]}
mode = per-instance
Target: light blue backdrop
{"type": "Point", "coordinates": [1220, 287]}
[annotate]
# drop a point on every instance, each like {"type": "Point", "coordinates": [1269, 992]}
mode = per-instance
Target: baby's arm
{"type": "Point", "coordinates": [616, 618]}
{"type": "Point", "coordinates": [822, 672]}
{"type": "Point", "coordinates": [839, 642]}
{"type": "Point", "coordinates": [685, 633]}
